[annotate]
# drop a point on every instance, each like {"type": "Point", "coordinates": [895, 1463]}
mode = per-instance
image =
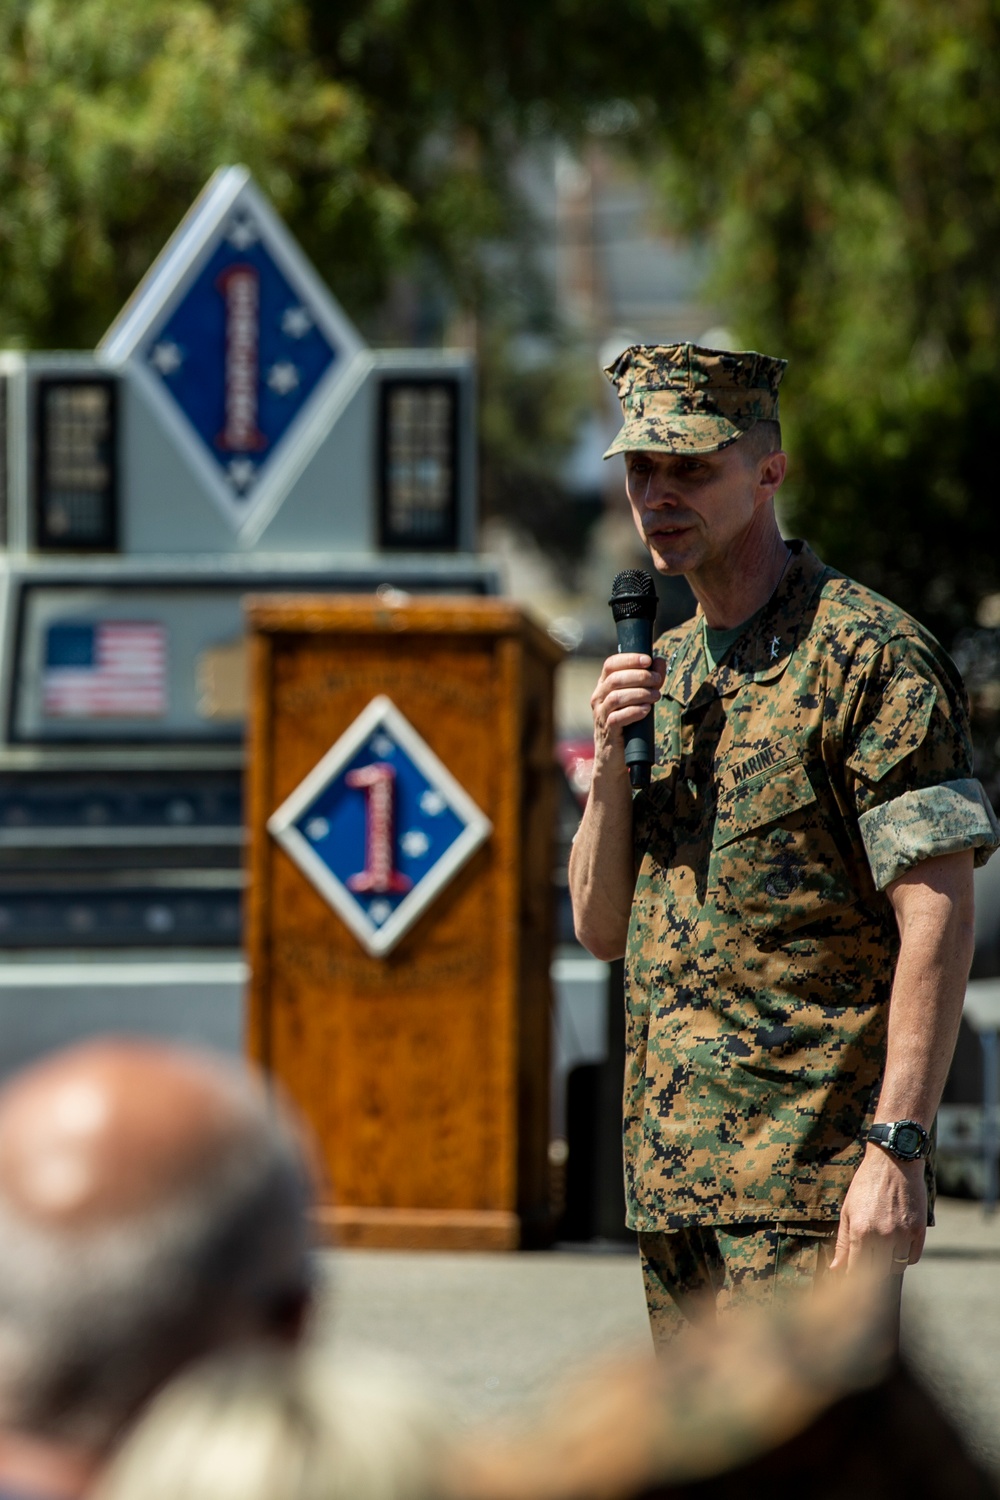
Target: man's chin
{"type": "Point", "coordinates": [669, 560]}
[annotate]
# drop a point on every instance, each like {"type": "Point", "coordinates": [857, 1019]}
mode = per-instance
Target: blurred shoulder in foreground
{"type": "Point", "coordinates": [273, 1425]}
{"type": "Point", "coordinates": [808, 1400]}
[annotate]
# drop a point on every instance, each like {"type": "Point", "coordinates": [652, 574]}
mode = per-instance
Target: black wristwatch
{"type": "Point", "coordinates": [903, 1138]}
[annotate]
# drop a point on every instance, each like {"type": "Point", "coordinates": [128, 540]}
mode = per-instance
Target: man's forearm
{"type": "Point", "coordinates": [601, 869]}
{"type": "Point", "coordinates": [884, 1216]}
{"type": "Point", "coordinates": [934, 909]}
{"type": "Point", "coordinates": [601, 863]}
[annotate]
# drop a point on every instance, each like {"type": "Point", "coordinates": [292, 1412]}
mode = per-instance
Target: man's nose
{"type": "Point", "coordinates": [651, 489]}
{"type": "Point", "coordinates": [660, 490]}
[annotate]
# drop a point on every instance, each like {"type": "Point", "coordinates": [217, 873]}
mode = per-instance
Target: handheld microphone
{"type": "Point", "coordinates": [633, 604]}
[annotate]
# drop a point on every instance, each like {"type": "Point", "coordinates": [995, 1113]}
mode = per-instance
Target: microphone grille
{"type": "Point", "coordinates": [633, 596]}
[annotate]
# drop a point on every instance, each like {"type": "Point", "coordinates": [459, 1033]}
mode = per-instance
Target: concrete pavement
{"type": "Point", "coordinates": [951, 1320]}
{"type": "Point", "coordinates": [493, 1333]}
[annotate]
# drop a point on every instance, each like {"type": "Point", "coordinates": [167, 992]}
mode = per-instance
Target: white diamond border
{"type": "Point", "coordinates": [379, 940]}
{"type": "Point", "coordinates": [165, 284]}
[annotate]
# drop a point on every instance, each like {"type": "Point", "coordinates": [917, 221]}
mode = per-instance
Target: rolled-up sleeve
{"type": "Point", "coordinates": [908, 757]}
{"type": "Point", "coordinates": [923, 824]}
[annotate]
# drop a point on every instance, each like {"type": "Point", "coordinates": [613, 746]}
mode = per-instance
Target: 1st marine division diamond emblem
{"type": "Point", "coordinates": [380, 826]}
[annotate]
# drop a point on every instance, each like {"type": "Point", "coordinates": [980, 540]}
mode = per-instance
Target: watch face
{"type": "Point", "coordinates": [907, 1140]}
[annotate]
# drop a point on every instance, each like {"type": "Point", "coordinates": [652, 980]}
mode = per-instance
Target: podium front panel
{"type": "Point", "coordinates": [423, 1070]}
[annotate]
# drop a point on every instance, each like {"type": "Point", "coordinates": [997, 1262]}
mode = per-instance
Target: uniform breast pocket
{"type": "Point", "coordinates": [774, 863]}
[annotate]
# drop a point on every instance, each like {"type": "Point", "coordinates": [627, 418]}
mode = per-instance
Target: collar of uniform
{"type": "Point", "coordinates": [761, 655]}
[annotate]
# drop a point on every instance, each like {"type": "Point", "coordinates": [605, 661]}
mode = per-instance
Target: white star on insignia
{"type": "Point", "coordinates": [774, 647]}
{"type": "Point", "coordinates": [166, 357]}
{"type": "Point", "coordinates": [317, 828]}
{"type": "Point", "coordinates": [414, 843]}
{"type": "Point", "coordinates": [382, 745]}
{"type": "Point", "coordinates": [242, 234]}
{"type": "Point", "coordinates": [296, 322]}
{"type": "Point", "coordinates": [432, 803]}
{"type": "Point", "coordinates": [241, 472]}
{"type": "Point", "coordinates": [378, 911]}
{"type": "Point", "coordinates": [283, 377]}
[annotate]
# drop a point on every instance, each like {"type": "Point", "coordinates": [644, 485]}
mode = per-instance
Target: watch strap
{"type": "Point", "coordinates": [905, 1139]}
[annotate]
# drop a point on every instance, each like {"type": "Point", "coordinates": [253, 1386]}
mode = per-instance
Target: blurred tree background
{"type": "Point", "coordinates": [846, 160]}
{"type": "Point", "coordinates": [112, 116]}
{"type": "Point", "coordinates": [842, 160]}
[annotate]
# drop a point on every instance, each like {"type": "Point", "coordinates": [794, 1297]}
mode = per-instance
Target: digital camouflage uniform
{"type": "Point", "coordinates": [709, 1269]}
{"type": "Point", "coordinates": [826, 753]}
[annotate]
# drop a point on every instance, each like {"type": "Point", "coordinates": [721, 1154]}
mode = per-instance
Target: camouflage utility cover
{"type": "Point", "coordinates": [680, 398]}
{"type": "Point", "coordinates": [827, 753]}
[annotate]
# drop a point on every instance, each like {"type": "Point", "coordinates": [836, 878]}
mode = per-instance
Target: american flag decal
{"type": "Point", "coordinates": [107, 669]}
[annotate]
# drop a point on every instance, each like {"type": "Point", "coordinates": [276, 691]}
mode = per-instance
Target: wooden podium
{"type": "Point", "coordinates": [424, 1069]}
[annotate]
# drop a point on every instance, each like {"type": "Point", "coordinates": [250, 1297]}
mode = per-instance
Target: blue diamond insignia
{"type": "Point", "coordinates": [380, 826]}
{"type": "Point", "coordinates": [240, 355]}
{"type": "Point", "coordinates": [239, 346]}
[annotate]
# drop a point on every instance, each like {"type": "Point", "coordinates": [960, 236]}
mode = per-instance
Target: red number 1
{"type": "Point", "coordinates": [380, 876]}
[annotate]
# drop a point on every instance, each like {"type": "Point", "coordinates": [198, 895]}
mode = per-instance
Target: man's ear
{"type": "Point", "coordinates": [771, 474]}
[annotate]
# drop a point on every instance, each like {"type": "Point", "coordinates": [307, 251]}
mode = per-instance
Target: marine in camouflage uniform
{"type": "Point", "coordinates": [823, 753]}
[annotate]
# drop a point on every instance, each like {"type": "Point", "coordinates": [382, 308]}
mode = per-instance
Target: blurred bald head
{"type": "Point", "coordinates": [105, 1131]}
{"type": "Point", "coordinates": [153, 1206]}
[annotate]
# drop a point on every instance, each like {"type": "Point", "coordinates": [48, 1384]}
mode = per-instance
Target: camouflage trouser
{"type": "Point", "coordinates": [692, 1274]}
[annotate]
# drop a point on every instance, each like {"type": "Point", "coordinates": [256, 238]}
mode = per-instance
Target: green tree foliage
{"type": "Point", "coordinates": [112, 116]}
{"type": "Point", "coordinates": [457, 87]}
{"type": "Point", "coordinates": [846, 160]}
{"type": "Point", "coordinates": [384, 130]}
{"type": "Point", "coordinates": [459, 91]}
{"type": "Point", "coordinates": [384, 133]}
{"type": "Point", "coordinates": [843, 158]}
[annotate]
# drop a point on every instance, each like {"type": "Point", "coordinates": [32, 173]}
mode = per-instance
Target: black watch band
{"type": "Point", "coordinates": [906, 1139]}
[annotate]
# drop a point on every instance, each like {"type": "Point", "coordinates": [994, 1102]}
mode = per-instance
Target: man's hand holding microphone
{"type": "Point", "coordinates": [630, 682]}
{"type": "Point", "coordinates": [602, 874]}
